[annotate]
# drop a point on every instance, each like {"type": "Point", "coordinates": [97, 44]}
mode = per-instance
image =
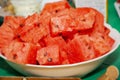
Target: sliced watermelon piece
{"type": "Point", "coordinates": [55, 40]}
{"type": "Point", "coordinates": [14, 22]}
{"type": "Point", "coordinates": [48, 55]}
{"type": "Point", "coordinates": [45, 20]}
{"type": "Point", "coordinates": [34, 35]}
{"type": "Point", "coordinates": [33, 29]}
{"type": "Point", "coordinates": [20, 52]}
{"type": "Point", "coordinates": [32, 20]}
{"type": "Point", "coordinates": [6, 35]}
{"type": "Point", "coordinates": [99, 22]}
{"type": "Point", "coordinates": [85, 18]}
{"type": "Point", "coordinates": [56, 6]}
{"type": "Point", "coordinates": [29, 23]}
{"type": "Point", "coordinates": [102, 43]}
{"type": "Point", "coordinates": [61, 24]}
{"type": "Point", "coordinates": [80, 49]}
{"type": "Point", "coordinates": [74, 19]}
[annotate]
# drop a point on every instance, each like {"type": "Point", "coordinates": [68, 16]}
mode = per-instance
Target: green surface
{"type": "Point", "coordinates": [113, 18]}
{"type": "Point", "coordinates": [113, 59]}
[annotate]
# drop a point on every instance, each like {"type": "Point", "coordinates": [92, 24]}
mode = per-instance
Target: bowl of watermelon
{"type": "Point", "coordinates": [60, 41]}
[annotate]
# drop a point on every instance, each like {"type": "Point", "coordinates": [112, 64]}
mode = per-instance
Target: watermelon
{"type": "Point", "coordinates": [99, 22]}
{"type": "Point", "coordinates": [74, 19]}
{"type": "Point", "coordinates": [14, 22]}
{"type": "Point", "coordinates": [61, 24]}
{"type": "Point", "coordinates": [31, 29]}
{"type": "Point", "coordinates": [32, 35]}
{"type": "Point", "coordinates": [48, 55]}
{"type": "Point", "coordinates": [56, 6]}
{"type": "Point", "coordinates": [6, 35]}
{"type": "Point", "coordinates": [64, 57]}
{"type": "Point", "coordinates": [55, 40]}
{"type": "Point", "coordinates": [85, 18]}
{"type": "Point", "coordinates": [8, 29]}
{"type": "Point", "coordinates": [102, 43]}
{"type": "Point", "coordinates": [58, 35]}
{"type": "Point", "coordinates": [20, 52]}
{"type": "Point", "coordinates": [80, 49]}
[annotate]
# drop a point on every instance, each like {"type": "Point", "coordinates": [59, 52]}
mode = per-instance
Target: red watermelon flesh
{"type": "Point", "coordinates": [34, 35]}
{"type": "Point", "coordinates": [56, 6]}
{"type": "Point", "coordinates": [20, 52]}
{"type": "Point", "coordinates": [49, 55]}
{"type": "Point", "coordinates": [55, 40]}
{"type": "Point", "coordinates": [6, 35]}
{"type": "Point", "coordinates": [14, 22]}
{"type": "Point", "coordinates": [102, 43]}
{"type": "Point", "coordinates": [80, 49]}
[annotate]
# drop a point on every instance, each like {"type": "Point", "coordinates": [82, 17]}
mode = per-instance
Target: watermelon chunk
{"type": "Point", "coordinates": [34, 35]}
{"type": "Point", "coordinates": [20, 52]}
{"type": "Point", "coordinates": [99, 22]}
{"type": "Point", "coordinates": [6, 35]}
{"type": "Point", "coordinates": [74, 19]}
{"type": "Point", "coordinates": [61, 24]}
{"type": "Point", "coordinates": [85, 18]}
{"type": "Point", "coordinates": [80, 49]}
{"type": "Point", "coordinates": [14, 22]}
{"type": "Point", "coordinates": [55, 40]}
{"type": "Point", "coordinates": [102, 43]}
{"type": "Point", "coordinates": [48, 55]}
{"type": "Point", "coordinates": [56, 6]}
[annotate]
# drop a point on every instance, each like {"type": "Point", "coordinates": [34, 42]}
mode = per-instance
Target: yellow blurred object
{"type": "Point", "coordinates": [7, 7]}
{"type": "Point", "coordinates": [112, 73]}
{"type": "Point", "coordinates": [10, 8]}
